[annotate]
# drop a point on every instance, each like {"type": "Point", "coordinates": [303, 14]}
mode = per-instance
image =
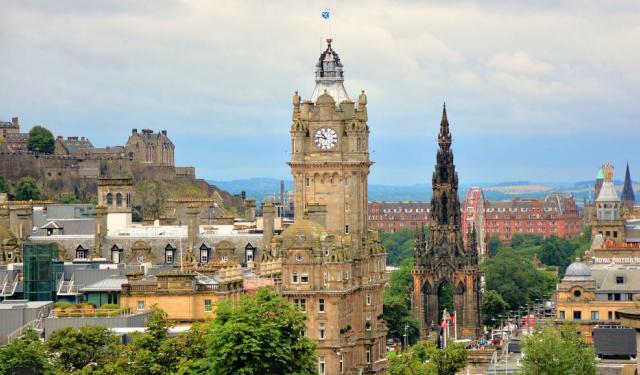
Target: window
{"type": "Point", "coordinates": [307, 181]}
{"type": "Point", "coordinates": [82, 253]}
{"type": "Point", "coordinates": [304, 278]}
{"type": "Point", "coordinates": [225, 258]}
{"type": "Point", "coordinates": [140, 305]}
{"type": "Point", "coordinates": [204, 254]}
{"type": "Point", "coordinates": [109, 199]}
{"type": "Point", "coordinates": [169, 253]}
{"type": "Point", "coordinates": [208, 307]}
{"type": "Point", "coordinates": [577, 315]}
{"type": "Point", "coordinates": [577, 293]}
{"type": "Point", "coordinates": [368, 353]}
{"type": "Point", "coordinates": [562, 314]}
{"type": "Point", "coordinates": [341, 362]}
{"type": "Point", "coordinates": [118, 200]}
{"type": "Point", "coordinates": [299, 258]}
{"type": "Point", "coordinates": [321, 331]}
{"type": "Point", "coordinates": [321, 305]}
{"type": "Point", "coordinates": [321, 365]}
{"type": "Point", "coordinates": [595, 315]}
{"type": "Point", "coordinates": [368, 299]}
{"type": "Point", "coordinates": [300, 303]}
{"type": "Point", "coordinates": [294, 278]}
{"type": "Point", "coordinates": [346, 229]}
{"type": "Point", "coordinates": [115, 255]}
{"type": "Point", "coordinates": [610, 315]}
{"type": "Point", "coordinates": [619, 279]}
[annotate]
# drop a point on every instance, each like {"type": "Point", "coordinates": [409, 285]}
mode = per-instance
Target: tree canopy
{"type": "Point", "coordinates": [25, 355]}
{"type": "Point", "coordinates": [425, 358]}
{"type": "Point", "coordinates": [41, 140]}
{"type": "Point", "coordinates": [88, 346]}
{"type": "Point", "coordinates": [397, 304]}
{"type": "Point", "coordinates": [259, 335]}
{"type": "Point", "coordinates": [28, 189]}
{"type": "Point", "coordinates": [399, 245]}
{"type": "Point", "coordinates": [561, 352]}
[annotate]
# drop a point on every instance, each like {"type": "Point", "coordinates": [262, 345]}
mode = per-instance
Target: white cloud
{"type": "Point", "coordinates": [519, 63]}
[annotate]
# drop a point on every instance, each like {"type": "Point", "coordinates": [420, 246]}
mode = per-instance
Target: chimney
{"type": "Point", "coordinates": [164, 132]}
{"type": "Point", "coordinates": [193, 226]}
{"type": "Point", "coordinates": [250, 209]}
{"type": "Point", "coordinates": [268, 212]}
{"type": "Point", "coordinates": [318, 213]}
{"type": "Point", "coordinates": [14, 121]}
{"type": "Point", "coordinates": [134, 131]}
{"type": "Point", "coordinates": [100, 228]}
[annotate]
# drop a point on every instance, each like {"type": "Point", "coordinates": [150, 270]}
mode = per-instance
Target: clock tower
{"type": "Point", "coordinates": [330, 152]}
{"type": "Point", "coordinates": [331, 266]}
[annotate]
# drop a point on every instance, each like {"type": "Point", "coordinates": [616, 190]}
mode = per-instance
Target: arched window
{"type": "Point", "coordinates": [169, 254]}
{"type": "Point", "coordinates": [118, 200]}
{"type": "Point", "coordinates": [109, 199]}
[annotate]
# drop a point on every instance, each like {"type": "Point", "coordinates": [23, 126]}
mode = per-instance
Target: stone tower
{"type": "Point", "coordinates": [608, 222]}
{"type": "Point", "coordinates": [333, 268]}
{"type": "Point", "coordinates": [443, 259]}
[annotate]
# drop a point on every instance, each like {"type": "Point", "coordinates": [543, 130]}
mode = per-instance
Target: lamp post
{"type": "Point", "coordinates": [406, 337]}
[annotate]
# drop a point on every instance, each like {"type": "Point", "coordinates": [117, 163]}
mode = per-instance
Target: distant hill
{"type": "Point", "coordinates": [258, 188]}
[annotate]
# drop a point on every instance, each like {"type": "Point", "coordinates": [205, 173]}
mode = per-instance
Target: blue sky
{"type": "Point", "coordinates": [541, 92]}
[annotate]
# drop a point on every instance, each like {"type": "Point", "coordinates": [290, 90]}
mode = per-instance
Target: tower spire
{"type": "Point", "coordinates": [444, 138]}
{"type": "Point", "coordinates": [628, 197]}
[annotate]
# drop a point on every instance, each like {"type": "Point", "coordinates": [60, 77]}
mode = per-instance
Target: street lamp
{"type": "Point", "coordinates": [406, 337]}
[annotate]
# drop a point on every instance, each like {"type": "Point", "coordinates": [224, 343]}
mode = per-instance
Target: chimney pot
{"type": "Point", "coordinates": [14, 120]}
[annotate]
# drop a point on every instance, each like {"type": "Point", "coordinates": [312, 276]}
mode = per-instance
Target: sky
{"type": "Point", "coordinates": [541, 90]}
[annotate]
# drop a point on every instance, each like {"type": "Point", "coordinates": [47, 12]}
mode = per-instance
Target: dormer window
{"type": "Point", "coordinates": [82, 253]}
{"type": "Point", "coordinates": [619, 279]}
{"type": "Point", "coordinates": [116, 254]}
{"type": "Point", "coordinates": [204, 253]}
{"type": "Point", "coordinates": [169, 254]}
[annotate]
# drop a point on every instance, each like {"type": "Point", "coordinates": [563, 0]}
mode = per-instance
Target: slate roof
{"type": "Point", "coordinates": [605, 276]}
{"type": "Point", "coordinates": [111, 284]}
{"type": "Point", "coordinates": [17, 137]}
{"type": "Point", "coordinates": [74, 145]}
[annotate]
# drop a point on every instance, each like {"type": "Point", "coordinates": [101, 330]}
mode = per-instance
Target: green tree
{"type": "Point", "coordinates": [399, 245]}
{"type": "Point", "coordinates": [41, 140]}
{"type": "Point", "coordinates": [27, 189]}
{"type": "Point", "coordinates": [25, 355]}
{"type": "Point", "coordinates": [522, 240]}
{"type": "Point", "coordinates": [492, 307]}
{"type": "Point", "coordinates": [425, 358]}
{"type": "Point", "coordinates": [516, 279]}
{"type": "Point", "coordinates": [75, 349]}
{"type": "Point", "coordinates": [560, 352]}
{"type": "Point", "coordinates": [259, 335]}
{"type": "Point", "coordinates": [558, 252]}
{"type": "Point", "coordinates": [68, 198]}
{"type": "Point", "coordinates": [494, 244]}
{"type": "Point", "coordinates": [4, 187]}
{"type": "Point", "coordinates": [397, 304]}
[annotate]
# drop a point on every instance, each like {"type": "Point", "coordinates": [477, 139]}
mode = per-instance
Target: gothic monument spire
{"type": "Point", "coordinates": [442, 259]}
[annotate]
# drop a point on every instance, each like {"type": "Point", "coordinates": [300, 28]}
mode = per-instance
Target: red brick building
{"type": "Point", "coordinates": [391, 216]}
{"type": "Point", "coordinates": [557, 214]}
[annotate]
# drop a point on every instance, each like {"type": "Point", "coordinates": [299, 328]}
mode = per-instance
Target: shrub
{"type": "Point", "coordinates": [62, 305]}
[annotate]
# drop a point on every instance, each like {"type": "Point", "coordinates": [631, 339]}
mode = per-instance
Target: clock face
{"type": "Point", "coordinates": [326, 138]}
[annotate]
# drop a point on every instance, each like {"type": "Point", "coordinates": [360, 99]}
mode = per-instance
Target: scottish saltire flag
{"type": "Point", "coordinates": [325, 14]}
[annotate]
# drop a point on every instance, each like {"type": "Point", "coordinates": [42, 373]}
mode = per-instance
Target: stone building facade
{"type": "Point", "coordinates": [555, 215]}
{"type": "Point", "coordinates": [147, 147]}
{"type": "Point", "coordinates": [332, 265]}
{"type": "Point", "coordinates": [444, 259]}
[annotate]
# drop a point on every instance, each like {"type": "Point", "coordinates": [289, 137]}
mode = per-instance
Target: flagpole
{"type": "Point", "coordinates": [455, 325]}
